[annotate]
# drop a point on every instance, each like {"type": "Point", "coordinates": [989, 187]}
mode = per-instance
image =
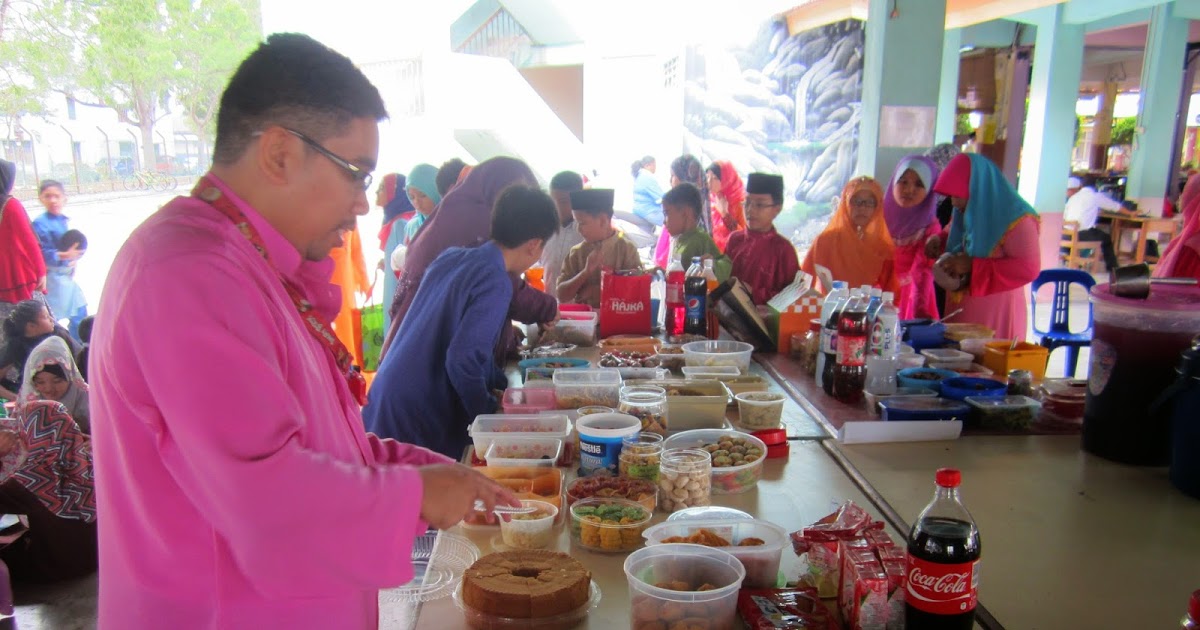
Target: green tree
{"type": "Point", "coordinates": [1123, 130]}
{"type": "Point", "coordinates": [220, 35]}
{"type": "Point", "coordinates": [28, 61]}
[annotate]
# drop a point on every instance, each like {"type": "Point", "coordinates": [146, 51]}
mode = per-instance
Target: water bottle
{"type": "Point", "coordinates": [885, 330]}
{"type": "Point", "coordinates": [838, 293]}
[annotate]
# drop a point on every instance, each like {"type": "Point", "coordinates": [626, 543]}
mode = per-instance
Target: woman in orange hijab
{"type": "Point", "coordinates": [855, 246]}
{"type": "Point", "coordinates": [728, 197]}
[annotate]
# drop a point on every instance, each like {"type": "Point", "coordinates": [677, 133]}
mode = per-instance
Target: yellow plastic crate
{"type": "Point", "coordinates": [1000, 357]}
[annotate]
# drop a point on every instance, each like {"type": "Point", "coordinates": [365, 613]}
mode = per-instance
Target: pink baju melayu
{"type": "Point", "coordinates": [236, 487]}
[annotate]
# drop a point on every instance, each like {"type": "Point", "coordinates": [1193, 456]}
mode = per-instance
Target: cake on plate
{"type": "Point", "coordinates": [526, 584]}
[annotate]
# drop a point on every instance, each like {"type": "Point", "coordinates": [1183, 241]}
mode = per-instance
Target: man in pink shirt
{"type": "Point", "coordinates": [235, 485]}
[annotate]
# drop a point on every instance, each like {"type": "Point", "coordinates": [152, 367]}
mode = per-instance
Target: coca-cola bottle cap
{"type": "Point", "coordinates": [948, 477]}
{"type": "Point", "coordinates": [1194, 606]}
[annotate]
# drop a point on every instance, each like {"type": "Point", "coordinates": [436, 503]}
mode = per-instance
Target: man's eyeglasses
{"type": "Point", "coordinates": [359, 175]}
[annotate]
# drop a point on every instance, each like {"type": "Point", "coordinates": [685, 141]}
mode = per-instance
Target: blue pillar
{"type": "Point", "coordinates": [1158, 108]}
{"type": "Point", "coordinates": [947, 108]}
{"type": "Point", "coordinates": [1050, 121]}
{"type": "Point", "coordinates": [898, 71]}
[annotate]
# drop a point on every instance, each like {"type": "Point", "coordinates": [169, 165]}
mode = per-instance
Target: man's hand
{"type": "Point", "coordinates": [595, 261]}
{"type": "Point", "coordinates": [71, 255]}
{"type": "Point", "coordinates": [451, 490]}
{"type": "Point", "coordinates": [933, 246]}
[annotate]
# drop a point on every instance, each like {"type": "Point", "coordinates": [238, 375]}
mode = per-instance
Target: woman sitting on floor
{"type": "Point", "coordinates": [51, 374]}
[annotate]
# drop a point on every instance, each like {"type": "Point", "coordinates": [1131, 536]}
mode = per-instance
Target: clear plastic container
{"type": "Point", "coordinates": [910, 360]}
{"type": "Point", "coordinates": [684, 479]}
{"type": "Point", "coordinates": [640, 491]}
{"type": "Point", "coordinates": [538, 483]}
{"type": "Point", "coordinates": [947, 357]}
{"type": "Point", "coordinates": [646, 403]}
{"type": "Point", "coordinates": [576, 328]}
{"type": "Point", "coordinates": [709, 513]}
{"type": "Point", "coordinates": [523, 451]}
{"type": "Point", "coordinates": [483, 621]}
{"type": "Point", "coordinates": [744, 383]}
{"type": "Point", "coordinates": [1005, 412]}
{"type": "Point", "coordinates": [641, 456]}
{"type": "Point", "coordinates": [608, 525]}
{"type": "Point", "coordinates": [692, 566]}
{"type": "Point", "coordinates": [710, 371]}
{"type": "Point", "coordinates": [874, 400]}
{"type": "Point", "coordinates": [728, 475]}
{"type": "Point", "coordinates": [534, 400]}
{"type": "Point", "coordinates": [670, 357]}
{"type": "Point", "coordinates": [761, 562]}
{"type": "Point", "coordinates": [529, 531]}
{"type": "Point", "coordinates": [974, 347]}
{"type": "Point", "coordinates": [490, 426]}
{"type": "Point", "coordinates": [693, 404]}
{"type": "Point", "coordinates": [712, 353]}
{"type": "Point", "coordinates": [760, 410]}
{"type": "Point", "coordinates": [576, 388]}
{"type": "Point", "coordinates": [927, 409]}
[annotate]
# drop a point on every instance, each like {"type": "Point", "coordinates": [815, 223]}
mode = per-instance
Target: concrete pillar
{"type": "Point", "coordinates": [1158, 108]}
{"type": "Point", "coordinates": [1050, 123]}
{"type": "Point", "coordinates": [1017, 87]}
{"type": "Point", "coordinates": [900, 53]}
{"type": "Point", "coordinates": [947, 105]}
{"type": "Point", "coordinates": [1102, 127]}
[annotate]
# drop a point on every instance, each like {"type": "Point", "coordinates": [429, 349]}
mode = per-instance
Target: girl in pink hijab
{"type": "Point", "coordinates": [1182, 256]}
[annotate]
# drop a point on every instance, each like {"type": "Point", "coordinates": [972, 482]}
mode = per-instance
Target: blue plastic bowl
{"type": "Point", "coordinates": [963, 386]}
{"type": "Point", "coordinates": [916, 408]}
{"type": "Point", "coordinates": [552, 362]}
{"type": "Point", "coordinates": [926, 336]}
{"type": "Point", "coordinates": [905, 378]}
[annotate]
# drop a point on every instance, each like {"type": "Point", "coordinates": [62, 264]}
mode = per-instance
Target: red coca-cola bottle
{"type": "Point", "coordinates": [850, 372]}
{"type": "Point", "coordinates": [942, 564]}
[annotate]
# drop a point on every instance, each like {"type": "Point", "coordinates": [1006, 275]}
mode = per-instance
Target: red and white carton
{"type": "Point", "coordinates": [897, 580]}
{"type": "Point", "coordinates": [846, 553]}
{"type": "Point", "coordinates": [869, 602]}
{"type": "Point", "coordinates": [891, 553]}
{"type": "Point", "coordinates": [878, 539]}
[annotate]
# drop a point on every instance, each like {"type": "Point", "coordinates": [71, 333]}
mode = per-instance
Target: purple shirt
{"type": "Point", "coordinates": [236, 487]}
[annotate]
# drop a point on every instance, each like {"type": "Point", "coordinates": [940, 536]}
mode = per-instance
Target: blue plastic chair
{"type": "Point", "coordinates": [1059, 334]}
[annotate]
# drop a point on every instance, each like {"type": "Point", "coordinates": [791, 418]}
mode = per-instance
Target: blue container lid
{"type": "Point", "coordinates": [963, 386]}
{"type": "Point", "coordinates": [918, 408]}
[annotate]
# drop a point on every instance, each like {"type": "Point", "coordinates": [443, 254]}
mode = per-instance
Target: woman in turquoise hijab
{"type": "Point", "coordinates": [991, 246]}
{"type": "Point", "coordinates": [423, 192]}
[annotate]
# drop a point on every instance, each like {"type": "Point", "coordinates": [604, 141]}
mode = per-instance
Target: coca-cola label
{"type": "Point", "coordinates": [941, 589]}
{"type": "Point", "coordinates": [851, 351]}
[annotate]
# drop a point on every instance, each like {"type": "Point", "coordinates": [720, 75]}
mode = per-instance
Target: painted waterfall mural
{"type": "Point", "coordinates": [787, 104]}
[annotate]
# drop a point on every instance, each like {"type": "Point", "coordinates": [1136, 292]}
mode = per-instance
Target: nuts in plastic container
{"type": "Point", "coordinates": [641, 456]}
{"type": "Point", "coordinates": [684, 479]}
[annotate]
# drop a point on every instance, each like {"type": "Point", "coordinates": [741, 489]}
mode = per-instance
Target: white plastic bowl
{"type": "Point", "coordinates": [712, 353]}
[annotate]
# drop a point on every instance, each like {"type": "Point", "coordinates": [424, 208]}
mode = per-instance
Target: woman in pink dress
{"type": "Point", "coordinates": [910, 209]}
{"type": "Point", "coordinates": [991, 244]}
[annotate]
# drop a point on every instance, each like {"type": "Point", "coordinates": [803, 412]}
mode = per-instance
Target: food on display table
{"type": "Point", "coordinates": [756, 543]}
{"type": "Point", "coordinates": [532, 530]}
{"type": "Point", "coordinates": [647, 403]}
{"type": "Point", "coordinates": [641, 456]}
{"type": "Point", "coordinates": [821, 542]}
{"type": "Point", "coordinates": [760, 410]}
{"type": "Point", "coordinates": [524, 584]}
{"type": "Point", "coordinates": [524, 451]}
{"type": "Point", "coordinates": [618, 359]}
{"type": "Point", "coordinates": [639, 491]}
{"type": "Point", "coordinates": [682, 339]}
{"type": "Point", "coordinates": [575, 388]}
{"type": "Point", "coordinates": [537, 483]}
{"type": "Point", "coordinates": [556, 349]}
{"type": "Point", "coordinates": [684, 479]}
{"type": "Point", "coordinates": [671, 358]}
{"type": "Point", "coordinates": [708, 538]}
{"type": "Point", "coordinates": [783, 609]}
{"type": "Point", "coordinates": [608, 525]}
{"type": "Point", "coordinates": [733, 451]}
{"type": "Point", "coordinates": [683, 587]}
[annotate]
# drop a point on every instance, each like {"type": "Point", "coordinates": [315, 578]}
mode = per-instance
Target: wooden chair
{"type": "Point", "coordinates": [1076, 254]}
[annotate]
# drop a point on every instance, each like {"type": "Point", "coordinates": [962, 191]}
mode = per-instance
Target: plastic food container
{"type": "Point", "coordinates": [728, 476]}
{"type": "Point", "coordinates": [529, 531]}
{"type": "Point", "coordinates": [584, 387]}
{"type": "Point", "coordinates": [693, 404]}
{"type": "Point", "coordinates": [578, 328]}
{"type": "Point", "coordinates": [914, 408]}
{"type": "Point", "coordinates": [490, 426]}
{"type": "Point", "coordinates": [973, 370]}
{"type": "Point", "coordinates": [901, 392]}
{"type": "Point", "coordinates": [524, 451]}
{"type": "Point", "coordinates": [709, 513]}
{"type": "Point", "coordinates": [964, 332]}
{"type": "Point", "coordinates": [910, 360]}
{"type": "Point", "coordinates": [482, 621]}
{"type": "Point", "coordinates": [974, 347]}
{"type": "Point", "coordinates": [947, 358]}
{"type": "Point", "coordinates": [639, 491]}
{"type": "Point", "coordinates": [712, 353]}
{"type": "Point", "coordinates": [631, 343]}
{"type": "Point", "coordinates": [670, 357]}
{"type": "Point", "coordinates": [1065, 398]}
{"type": "Point", "coordinates": [1000, 357]}
{"type": "Point", "coordinates": [684, 479]}
{"type": "Point", "coordinates": [760, 410]}
{"type": "Point", "coordinates": [744, 383]}
{"type": "Point", "coordinates": [538, 377]}
{"type": "Point", "coordinates": [551, 363]}
{"type": "Point", "coordinates": [600, 437]}
{"type": "Point", "coordinates": [928, 378]}
{"type": "Point", "coordinates": [647, 403]}
{"type": "Point", "coordinates": [761, 562]}
{"type": "Point", "coordinates": [1005, 412]}
{"type": "Point", "coordinates": [710, 371]}
{"type": "Point", "coordinates": [608, 525]}
{"type": "Point", "coordinates": [537, 483]}
{"type": "Point", "coordinates": [961, 387]}
{"type": "Point", "coordinates": [685, 567]}
{"type": "Point", "coordinates": [641, 456]}
{"type": "Point", "coordinates": [533, 400]}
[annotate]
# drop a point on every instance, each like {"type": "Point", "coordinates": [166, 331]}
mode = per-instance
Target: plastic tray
{"type": "Point", "coordinates": [484, 621]}
{"type": "Point", "coordinates": [948, 356]}
{"type": "Point", "coordinates": [726, 479]}
{"type": "Point", "coordinates": [913, 408]}
{"type": "Point", "coordinates": [490, 426]}
{"type": "Point", "coordinates": [703, 410]}
{"type": "Point", "coordinates": [873, 400]}
{"type": "Point", "coordinates": [577, 388]}
{"type": "Point", "coordinates": [553, 363]}
{"type": "Point", "coordinates": [434, 575]}
{"type": "Point", "coordinates": [713, 353]}
{"type": "Point", "coordinates": [524, 451]}
{"type": "Point", "coordinates": [709, 371]}
{"type": "Point", "coordinates": [761, 562]}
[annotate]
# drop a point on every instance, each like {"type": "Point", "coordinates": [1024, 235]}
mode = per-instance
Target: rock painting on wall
{"type": "Point", "coordinates": [784, 103]}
